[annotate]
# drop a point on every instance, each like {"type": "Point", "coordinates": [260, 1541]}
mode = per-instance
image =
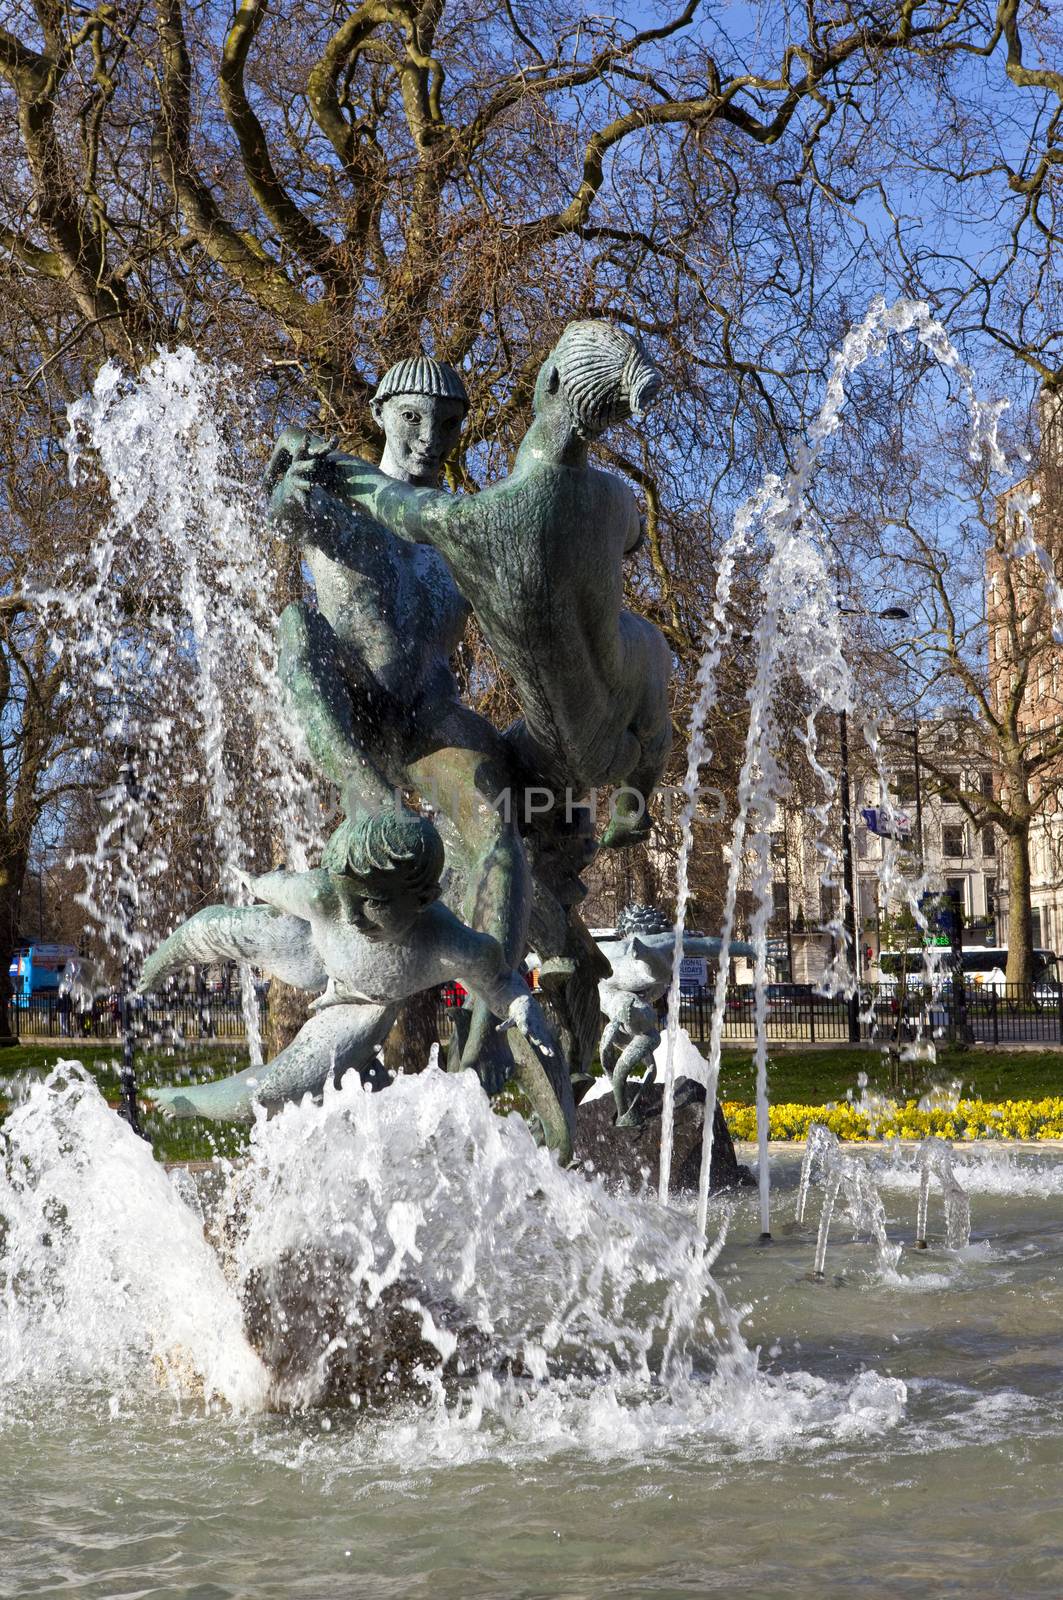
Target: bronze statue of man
{"type": "Point", "coordinates": [539, 557]}
{"type": "Point", "coordinates": [368, 673]}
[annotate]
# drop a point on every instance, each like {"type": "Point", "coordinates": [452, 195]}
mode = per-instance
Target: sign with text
{"type": "Point", "coordinates": [693, 972]}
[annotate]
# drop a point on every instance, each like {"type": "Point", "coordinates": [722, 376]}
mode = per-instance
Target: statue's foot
{"type": "Point", "coordinates": [172, 1103]}
{"type": "Point", "coordinates": [556, 971]}
{"type": "Point", "coordinates": [626, 830]}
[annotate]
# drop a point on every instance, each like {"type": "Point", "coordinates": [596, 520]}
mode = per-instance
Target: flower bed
{"type": "Point", "coordinates": [970, 1119]}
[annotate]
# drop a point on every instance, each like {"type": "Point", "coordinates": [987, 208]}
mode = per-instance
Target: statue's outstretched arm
{"type": "Point", "coordinates": [279, 945]}
{"type": "Point", "coordinates": [297, 892]}
{"type": "Point", "coordinates": [420, 515]}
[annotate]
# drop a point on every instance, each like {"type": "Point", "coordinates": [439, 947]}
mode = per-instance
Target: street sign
{"type": "Point", "coordinates": [694, 971]}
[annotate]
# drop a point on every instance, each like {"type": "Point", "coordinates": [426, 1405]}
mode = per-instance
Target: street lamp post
{"type": "Point", "coordinates": [847, 875]}
{"type": "Point", "coordinates": [127, 1077]}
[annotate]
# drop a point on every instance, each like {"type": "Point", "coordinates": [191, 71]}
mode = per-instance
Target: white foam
{"type": "Point", "coordinates": [104, 1271]}
{"type": "Point", "coordinates": [628, 1347]}
{"type": "Point", "coordinates": [988, 1172]}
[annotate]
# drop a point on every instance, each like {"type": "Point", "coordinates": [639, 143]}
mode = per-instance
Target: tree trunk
{"type": "Point", "coordinates": [1020, 929]}
{"type": "Point", "coordinates": [415, 1030]}
{"type": "Point", "coordinates": [10, 902]}
{"type": "Point", "coordinates": [8, 1037]}
{"type": "Point", "coordinates": [288, 1010]}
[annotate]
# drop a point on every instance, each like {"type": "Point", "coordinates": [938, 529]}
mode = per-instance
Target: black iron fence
{"type": "Point", "coordinates": [214, 1017]}
{"type": "Point", "coordinates": [1008, 1014]}
{"type": "Point", "coordinates": [972, 1012]}
{"type": "Point", "coordinates": [808, 1017]}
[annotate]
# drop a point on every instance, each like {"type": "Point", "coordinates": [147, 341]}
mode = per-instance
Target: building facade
{"type": "Point", "coordinates": [956, 855]}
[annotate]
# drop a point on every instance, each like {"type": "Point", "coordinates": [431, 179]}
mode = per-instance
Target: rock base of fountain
{"type": "Point", "coordinates": [326, 1341]}
{"type": "Point", "coordinates": [631, 1156]}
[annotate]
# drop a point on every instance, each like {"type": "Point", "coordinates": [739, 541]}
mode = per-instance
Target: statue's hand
{"type": "Point", "coordinates": [623, 831]}
{"type": "Point", "coordinates": [312, 465]}
{"type": "Point", "coordinates": [526, 1013]}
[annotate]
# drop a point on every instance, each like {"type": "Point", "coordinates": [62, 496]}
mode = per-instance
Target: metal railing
{"type": "Point", "coordinates": [1007, 1014]}
{"type": "Point", "coordinates": [975, 1013]}
{"type": "Point", "coordinates": [212, 1017]}
{"type": "Point", "coordinates": [798, 1017]}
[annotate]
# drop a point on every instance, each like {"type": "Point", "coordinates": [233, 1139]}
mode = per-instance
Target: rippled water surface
{"type": "Point", "coordinates": [901, 1432]}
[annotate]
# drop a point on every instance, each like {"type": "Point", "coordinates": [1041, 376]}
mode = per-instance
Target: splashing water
{"type": "Point", "coordinates": [170, 619]}
{"type": "Point", "coordinates": [104, 1272]}
{"type": "Point", "coordinates": [543, 1304]}
{"type": "Point", "coordinates": [798, 633]}
{"type": "Point", "coordinates": [936, 1161]}
{"type": "Point", "coordinates": [846, 1173]}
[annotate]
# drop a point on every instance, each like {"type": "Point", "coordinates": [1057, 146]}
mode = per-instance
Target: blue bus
{"type": "Point", "coordinates": [37, 968]}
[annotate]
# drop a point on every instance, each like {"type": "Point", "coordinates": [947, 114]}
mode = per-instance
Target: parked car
{"type": "Point", "coordinates": [790, 996]}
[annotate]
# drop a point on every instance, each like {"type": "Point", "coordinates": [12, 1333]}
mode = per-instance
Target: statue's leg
{"type": "Point", "coordinates": [469, 782]}
{"type": "Point", "coordinates": [606, 1048]}
{"type": "Point", "coordinates": [638, 1052]}
{"type": "Point", "coordinates": [648, 666]}
{"type": "Point", "coordinates": [274, 941]}
{"type": "Point", "coordinates": [331, 1042]}
{"type": "Point", "coordinates": [558, 1120]}
{"type": "Point", "coordinates": [338, 717]}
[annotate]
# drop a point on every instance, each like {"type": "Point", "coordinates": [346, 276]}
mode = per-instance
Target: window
{"type": "Point", "coordinates": [780, 904]}
{"type": "Point", "coordinates": [868, 898]}
{"type": "Point", "coordinates": [828, 902]}
{"type": "Point", "coordinates": [953, 842]}
{"type": "Point", "coordinates": [990, 898]}
{"type": "Point", "coordinates": [1035, 924]}
{"type": "Point", "coordinates": [904, 784]}
{"type": "Point", "coordinates": [989, 841]}
{"type": "Point", "coordinates": [957, 886]}
{"type": "Point", "coordinates": [986, 785]}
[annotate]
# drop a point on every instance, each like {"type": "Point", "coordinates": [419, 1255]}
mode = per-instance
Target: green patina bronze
{"type": "Point", "coordinates": [539, 557]}
{"type": "Point", "coordinates": [371, 930]}
{"type": "Point", "coordinates": [397, 563]}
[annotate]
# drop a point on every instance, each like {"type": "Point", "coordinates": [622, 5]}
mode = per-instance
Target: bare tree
{"type": "Point", "coordinates": [308, 193]}
{"type": "Point", "coordinates": [981, 652]}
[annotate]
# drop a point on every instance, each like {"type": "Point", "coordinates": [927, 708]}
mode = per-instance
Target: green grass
{"type": "Point", "coordinates": [812, 1077]}
{"type": "Point", "coordinates": [191, 1140]}
{"type": "Point", "coordinates": [804, 1077]}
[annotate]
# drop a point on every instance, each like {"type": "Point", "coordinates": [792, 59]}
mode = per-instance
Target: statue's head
{"type": "Point", "coordinates": [388, 867]}
{"type": "Point", "coordinates": [421, 405]}
{"type": "Point", "coordinates": [599, 374]}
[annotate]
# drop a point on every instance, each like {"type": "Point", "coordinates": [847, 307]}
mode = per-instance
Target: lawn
{"type": "Point", "coordinates": [171, 1141]}
{"type": "Point", "coordinates": [802, 1077]}
{"type": "Point", "coordinates": [814, 1077]}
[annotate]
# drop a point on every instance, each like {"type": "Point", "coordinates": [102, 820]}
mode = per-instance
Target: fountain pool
{"type": "Point", "coordinates": [562, 1391]}
{"type": "Point", "coordinates": [904, 1436]}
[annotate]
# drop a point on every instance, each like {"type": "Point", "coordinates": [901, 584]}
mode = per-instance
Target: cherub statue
{"type": "Point", "coordinates": [367, 671]}
{"type": "Point", "coordinates": [640, 958]}
{"type": "Point", "coordinates": [539, 556]}
{"type": "Point", "coordinates": [368, 927]}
